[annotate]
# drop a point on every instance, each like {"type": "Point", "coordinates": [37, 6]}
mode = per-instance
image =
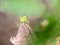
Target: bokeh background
{"type": "Point", "coordinates": [36, 11]}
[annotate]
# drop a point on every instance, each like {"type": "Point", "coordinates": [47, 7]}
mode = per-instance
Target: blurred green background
{"type": "Point", "coordinates": [49, 10]}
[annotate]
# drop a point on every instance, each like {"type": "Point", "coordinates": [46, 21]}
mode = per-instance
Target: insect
{"type": "Point", "coordinates": [24, 33]}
